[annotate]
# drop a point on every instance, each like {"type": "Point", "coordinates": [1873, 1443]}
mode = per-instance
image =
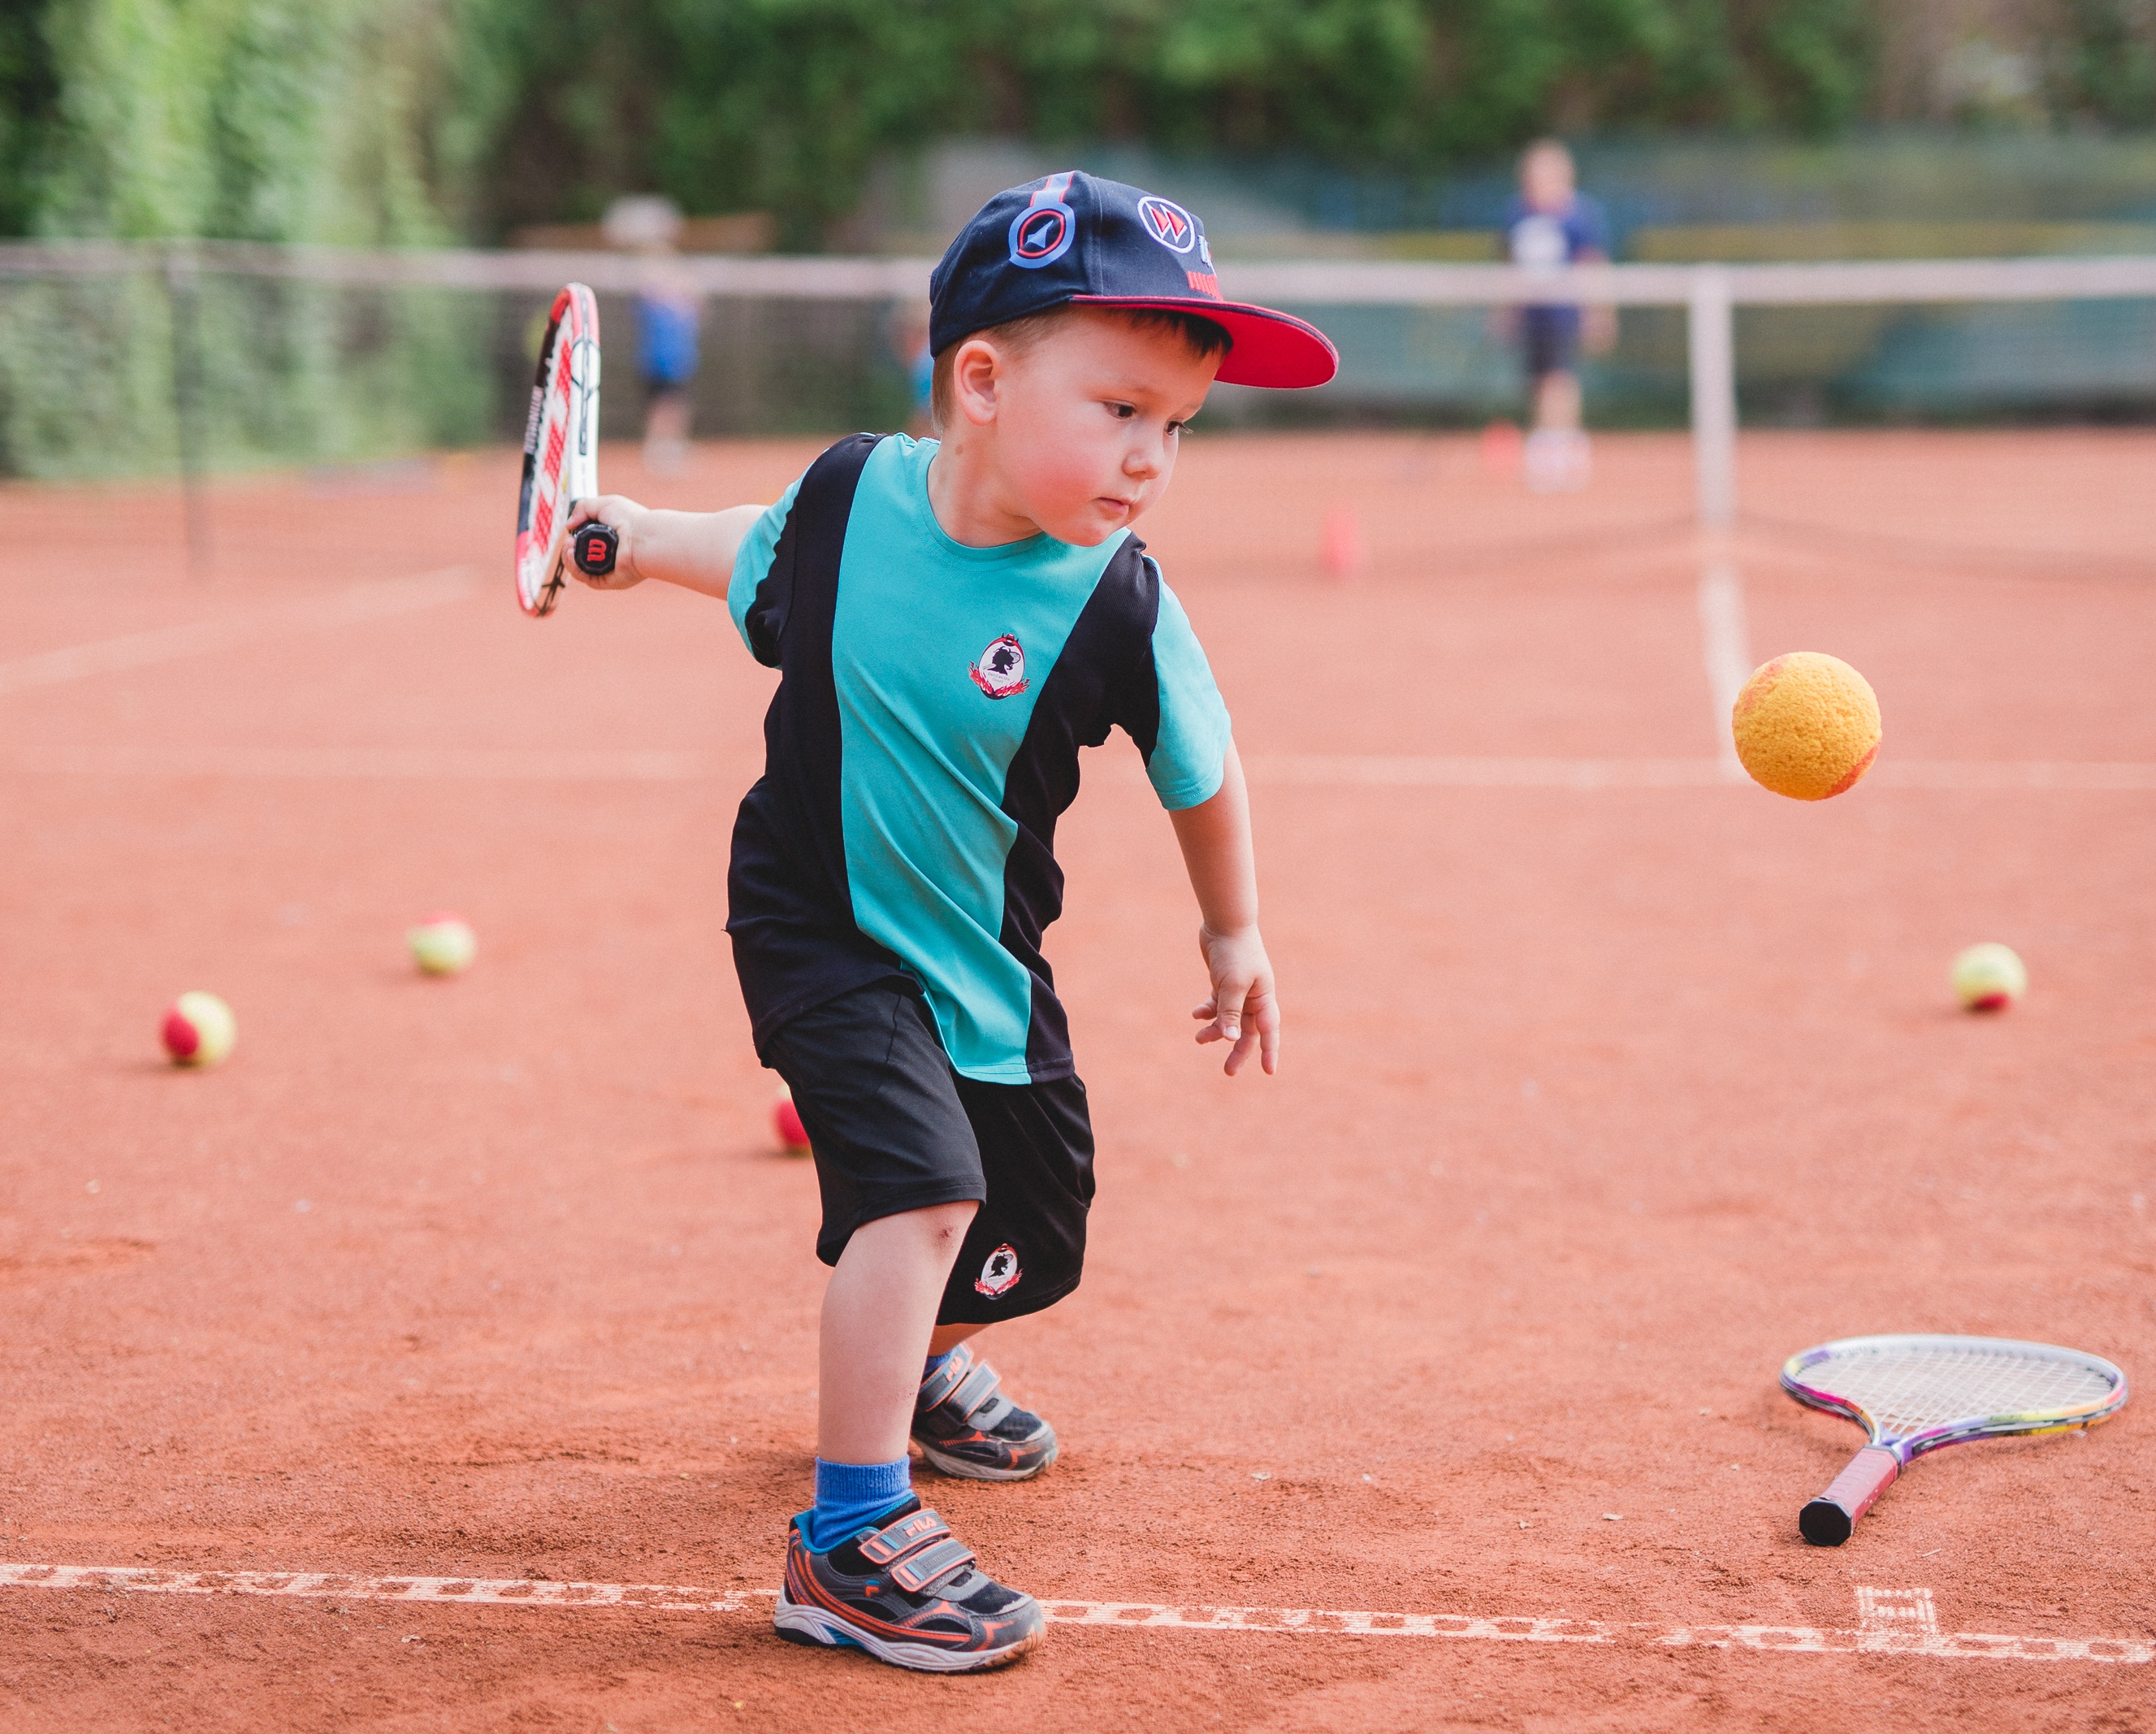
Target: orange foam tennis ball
{"type": "Point", "coordinates": [1807, 726]}
{"type": "Point", "coordinates": [786, 1121]}
{"type": "Point", "coordinates": [199, 1031]}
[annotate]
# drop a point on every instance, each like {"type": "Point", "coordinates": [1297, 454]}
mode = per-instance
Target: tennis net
{"type": "Point", "coordinates": [135, 358]}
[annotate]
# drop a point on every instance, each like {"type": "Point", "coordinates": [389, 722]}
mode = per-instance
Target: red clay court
{"type": "Point", "coordinates": [1429, 1385]}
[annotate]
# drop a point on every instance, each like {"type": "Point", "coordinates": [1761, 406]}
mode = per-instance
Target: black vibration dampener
{"type": "Point", "coordinates": [593, 548]}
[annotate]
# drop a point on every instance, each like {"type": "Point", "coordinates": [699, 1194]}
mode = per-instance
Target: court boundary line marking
{"type": "Point", "coordinates": [1342, 770]}
{"type": "Point", "coordinates": [374, 599]}
{"type": "Point", "coordinates": [1899, 1622]}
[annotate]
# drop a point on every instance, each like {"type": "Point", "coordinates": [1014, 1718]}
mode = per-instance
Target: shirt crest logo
{"type": "Point", "coordinates": [1001, 671]}
{"type": "Point", "coordinates": [1000, 1273]}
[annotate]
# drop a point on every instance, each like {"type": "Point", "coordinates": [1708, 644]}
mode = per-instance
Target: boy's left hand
{"type": "Point", "coordinates": [1244, 1009]}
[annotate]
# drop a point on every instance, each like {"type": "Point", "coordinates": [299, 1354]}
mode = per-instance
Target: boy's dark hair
{"type": "Point", "coordinates": [1204, 337]}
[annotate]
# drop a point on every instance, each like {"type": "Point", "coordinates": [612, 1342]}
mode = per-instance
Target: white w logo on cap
{"type": "Point", "coordinates": [1174, 228]}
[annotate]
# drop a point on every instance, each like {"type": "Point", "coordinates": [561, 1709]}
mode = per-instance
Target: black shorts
{"type": "Point", "coordinates": [1550, 338]}
{"type": "Point", "coordinates": [895, 1129]}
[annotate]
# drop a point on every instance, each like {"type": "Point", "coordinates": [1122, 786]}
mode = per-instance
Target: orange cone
{"type": "Point", "coordinates": [1502, 443]}
{"type": "Point", "coordinates": [1342, 553]}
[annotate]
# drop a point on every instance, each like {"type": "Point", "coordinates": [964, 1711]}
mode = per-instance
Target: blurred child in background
{"type": "Point", "coordinates": [1552, 224]}
{"type": "Point", "coordinates": [668, 312]}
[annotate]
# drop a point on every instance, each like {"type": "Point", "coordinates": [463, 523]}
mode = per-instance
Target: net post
{"type": "Point", "coordinates": [1714, 367]}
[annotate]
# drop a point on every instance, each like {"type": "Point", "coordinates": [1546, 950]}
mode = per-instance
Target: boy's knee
{"type": "Point", "coordinates": [941, 1225]}
{"type": "Point", "coordinates": [947, 1222]}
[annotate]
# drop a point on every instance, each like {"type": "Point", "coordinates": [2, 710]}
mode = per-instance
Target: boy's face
{"type": "Point", "coordinates": [1546, 180]}
{"type": "Point", "coordinates": [1087, 421]}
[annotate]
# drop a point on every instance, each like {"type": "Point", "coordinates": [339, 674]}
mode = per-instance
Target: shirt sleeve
{"type": "Point", "coordinates": [753, 597]}
{"type": "Point", "coordinates": [1190, 751]}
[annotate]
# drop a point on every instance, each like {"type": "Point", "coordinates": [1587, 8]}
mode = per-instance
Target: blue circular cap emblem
{"type": "Point", "coordinates": [1042, 233]}
{"type": "Point", "coordinates": [1167, 223]}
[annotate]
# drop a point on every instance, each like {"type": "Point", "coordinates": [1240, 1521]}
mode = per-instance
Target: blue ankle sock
{"type": "Point", "coordinates": [849, 1494]}
{"type": "Point", "coordinates": [928, 1371]}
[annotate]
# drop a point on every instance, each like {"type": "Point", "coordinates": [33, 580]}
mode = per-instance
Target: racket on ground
{"type": "Point", "coordinates": [1913, 1394]}
{"type": "Point", "coordinates": [562, 456]}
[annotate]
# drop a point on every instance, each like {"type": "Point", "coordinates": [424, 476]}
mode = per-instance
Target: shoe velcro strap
{"type": "Point", "coordinates": [974, 1392]}
{"type": "Point", "coordinates": [907, 1536]}
{"type": "Point", "coordinates": [916, 1572]}
{"type": "Point", "coordinates": [941, 1383]}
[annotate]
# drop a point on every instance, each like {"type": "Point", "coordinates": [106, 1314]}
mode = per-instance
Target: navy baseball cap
{"type": "Point", "coordinates": [1075, 238]}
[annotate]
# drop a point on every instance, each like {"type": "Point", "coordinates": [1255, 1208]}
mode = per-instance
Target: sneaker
{"type": "Point", "coordinates": [908, 1594]}
{"type": "Point", "coordinates": [965, 1426]}
{"type": "Point", "coordinates": [1558, 461]}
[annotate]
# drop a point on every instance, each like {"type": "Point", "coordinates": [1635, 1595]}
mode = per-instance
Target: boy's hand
{"type": "Point", "coordinates": [1242, 1010]}
{"type": "Point", "coordinates": [625, 515]}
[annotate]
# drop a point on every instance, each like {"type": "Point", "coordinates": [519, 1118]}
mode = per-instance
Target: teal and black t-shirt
{"type": "Point", "coordinates": [924, 740]}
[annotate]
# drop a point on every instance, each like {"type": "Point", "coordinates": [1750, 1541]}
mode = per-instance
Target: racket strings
{"type": "Point", "coordinates": [1905, 1391]}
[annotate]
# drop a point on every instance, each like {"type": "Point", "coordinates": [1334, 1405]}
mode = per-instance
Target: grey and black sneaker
{"type": "Point", "coordinates": [908, 1593]}
{"type": "Point", "coordinates": [965, 1426]}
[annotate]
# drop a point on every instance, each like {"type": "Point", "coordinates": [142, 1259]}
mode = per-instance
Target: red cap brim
{"type": "Point", "coordinates": [1271, 348]}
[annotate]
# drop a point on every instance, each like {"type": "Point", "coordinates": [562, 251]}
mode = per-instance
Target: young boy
{"type": "Point", "coordinates": [951, 623]}
{"type": "Point", "coordinates": [1553, 224]}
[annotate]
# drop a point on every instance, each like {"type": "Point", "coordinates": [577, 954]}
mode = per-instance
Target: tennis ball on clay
{"type": "Point", "coordinates": [1989, 977]}
{"type": "Point", "coordinates": [786, 1121]}
{"type": "Point", "coordinates": [1806, 726]}
{"type": "Point", "coordinates": [443, 944]}
{"type": "Point", "coordinates": [199, 1031]}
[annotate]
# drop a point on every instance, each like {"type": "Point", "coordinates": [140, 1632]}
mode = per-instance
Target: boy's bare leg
{"type": "Point", "coordinates": [878, 1313]}
{"type": "Point", "coordinates": [947, 1337]}
{"type": "Point", "coordinates": [1557, 402]}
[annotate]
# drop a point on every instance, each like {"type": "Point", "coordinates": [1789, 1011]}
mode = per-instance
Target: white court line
{"type": "Point", "coordinates": [167, 644]}
{"type": "Point", "coordinates": [1400, 771]}
{"type": "Point", "coordinates": [1316, 770]}
{"type": "Point", "coordinates": [508, 764]}
{"type": "Point", "coordinates": [1899, 1622]}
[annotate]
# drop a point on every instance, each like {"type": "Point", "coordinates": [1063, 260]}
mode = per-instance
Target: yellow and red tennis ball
{"type": "Point", "coordinates": [1989, 977]}
{"type": "Point", "coordinates": [198, 1031]}
{"type": "Point", "coordinates": [786, 1121]}
{"type": "Point", "coordinates": [1806, 726]}
{"type": "Point", "coordinates": [443, 944]}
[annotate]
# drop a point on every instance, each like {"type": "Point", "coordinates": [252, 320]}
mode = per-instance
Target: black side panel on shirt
{"type": "Point", "coordinates": [789, 907]}
{"type": "Point", "coordinates": [1104, 677]}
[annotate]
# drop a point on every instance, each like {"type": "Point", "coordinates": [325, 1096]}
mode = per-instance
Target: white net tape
{"type": "Point", "coordinates": [1910, 1387]}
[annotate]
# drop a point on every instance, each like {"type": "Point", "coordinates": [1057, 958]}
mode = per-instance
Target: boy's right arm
{"type": "Point", "coordinates": [693, 549]}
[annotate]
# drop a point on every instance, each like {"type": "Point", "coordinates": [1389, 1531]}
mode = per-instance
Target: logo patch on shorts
{"type": "Point", "coordinates": [1000, 1274]}
{"type": "Point", "coordinates": [1001, 671]}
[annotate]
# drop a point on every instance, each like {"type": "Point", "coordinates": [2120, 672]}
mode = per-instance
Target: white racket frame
{"type": "Point", "coordinates": [560, 447]}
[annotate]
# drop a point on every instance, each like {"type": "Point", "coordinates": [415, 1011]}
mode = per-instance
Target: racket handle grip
{"type": "Point", "coordinates": [593, 548]}
{"type": "Point", "coordinates": [1827, 1521]}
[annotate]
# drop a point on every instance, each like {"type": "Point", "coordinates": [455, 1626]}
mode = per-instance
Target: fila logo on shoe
{"type": "Point", "coordinates": [1000, 1274]}
{"type": "Point", "coordinates": [1001, 671]}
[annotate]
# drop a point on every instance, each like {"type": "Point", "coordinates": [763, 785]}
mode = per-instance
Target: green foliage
{"type": "Point", "coordinates": [328, 121]}
{"type": "Point", "coordinates": [257, 120]}
{"type": "Point", "coordinates": [2104, 62]}
{"type": "Point", "coordinates": [782, 104]}
{"type": "Point", "coordinates": [28, 90]}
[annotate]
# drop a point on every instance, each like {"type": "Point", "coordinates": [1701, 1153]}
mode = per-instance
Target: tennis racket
{"type": "Point", "coordinates": [562, 456]}
{"type": "Point", "coordinates": [1913, 1394]}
